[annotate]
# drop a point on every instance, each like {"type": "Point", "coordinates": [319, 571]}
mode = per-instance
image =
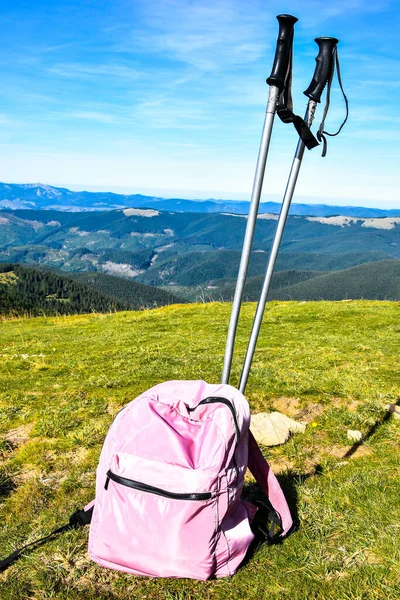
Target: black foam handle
{"type": "Point", "coordinates": [283, 50]}
{"type": "Point", "coordinates": [323, 68]}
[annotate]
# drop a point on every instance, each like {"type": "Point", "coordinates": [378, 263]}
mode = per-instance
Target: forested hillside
{"type": "Point", "coordinates": [371, 281]}
{"type": "Point", "coordinates": [202, 268]}
{"type": "Point", "coordinates": [25, 290]}
{"type": "Point", "coordinates": [132, 293]}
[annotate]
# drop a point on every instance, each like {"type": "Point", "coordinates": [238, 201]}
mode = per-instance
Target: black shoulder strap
{"type": "Point", "coordinates": [286, 114]}
{"type": "Point", "coordinates": [78, 519]}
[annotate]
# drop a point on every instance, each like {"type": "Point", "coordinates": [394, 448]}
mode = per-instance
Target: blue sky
{"type": "Point", "coordinates": [168, 97]}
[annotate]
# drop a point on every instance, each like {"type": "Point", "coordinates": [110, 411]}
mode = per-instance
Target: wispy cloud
{"type": "Point", "coordinates": [45, 49]}
{"type": "Point", "coordinates": [163, 114]}
{"type": "Point", "coordinates": [206, 35]}
{"type": "Point", "coordinates": [88, 115]}
{"type": "Point", "coordinates": [85, 71]}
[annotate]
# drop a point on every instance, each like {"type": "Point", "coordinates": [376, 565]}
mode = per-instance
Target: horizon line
{"type": "Point", "coordinates": [207, 195]}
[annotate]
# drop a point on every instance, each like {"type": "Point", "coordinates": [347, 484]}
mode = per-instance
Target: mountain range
{"type": "Point", "coordinates": [196, 255]}
{"type": "Point", "coordinates": [39, 196]}
{"type": "Point", "coordinates": [142, 239]}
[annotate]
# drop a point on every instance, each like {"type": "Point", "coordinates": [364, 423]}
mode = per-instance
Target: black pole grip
{"type": "Point", "coordinates": [283, 51]}
{"type": "Point", "coordinates": [323, 69]}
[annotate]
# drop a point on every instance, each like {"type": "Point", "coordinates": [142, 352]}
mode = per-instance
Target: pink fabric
{"type": "Point", "coordinates": [156, 441]}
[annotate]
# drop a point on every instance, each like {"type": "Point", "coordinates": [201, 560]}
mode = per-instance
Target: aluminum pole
{"type": "Point", "coordinates": [290, 187]}
{"type": "Point", "coordinates": [250, 226]}
{"type": "Point", "coordinates": [277, 82]}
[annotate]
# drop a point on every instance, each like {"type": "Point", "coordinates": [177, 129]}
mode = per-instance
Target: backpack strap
{"type": "Point", "coordinates": [264, 476]}
{"type": "Point", "coordinates": [78, 519]}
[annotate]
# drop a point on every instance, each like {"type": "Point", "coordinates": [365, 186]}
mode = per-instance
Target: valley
{"type": "Point", "coordinates": [196, 255]}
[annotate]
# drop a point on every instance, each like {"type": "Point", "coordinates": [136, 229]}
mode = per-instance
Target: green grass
{"type": "Point", "coordinates": [64, 378]}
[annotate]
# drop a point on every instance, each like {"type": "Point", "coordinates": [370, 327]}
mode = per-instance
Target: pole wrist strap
{"type": "Point", "coordinates": [286, 114]}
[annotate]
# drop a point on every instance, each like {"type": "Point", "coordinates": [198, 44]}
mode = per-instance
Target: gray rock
{"type": "Point", "coordinates": [354, 435]}
{"type": "Point", "coordinates": [272, 429]}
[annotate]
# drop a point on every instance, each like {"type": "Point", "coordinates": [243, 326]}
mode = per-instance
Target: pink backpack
{"type": "Point", "coordinates": [169, 482]}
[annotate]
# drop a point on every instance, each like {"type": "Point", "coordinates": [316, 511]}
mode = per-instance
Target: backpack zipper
{"type": "Point", "coordinates": [228, 403]}
{"type": "Point", "coordinates": [143, 487]}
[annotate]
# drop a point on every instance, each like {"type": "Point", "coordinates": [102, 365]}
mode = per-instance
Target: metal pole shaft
{"type": "Point", "coordinates": [250, 226]}
{"type": "Point", "coordinates": [290, 187]}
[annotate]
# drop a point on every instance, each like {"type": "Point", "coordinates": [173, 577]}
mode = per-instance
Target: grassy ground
{"type": "Point", "coordinates": [334, 365]}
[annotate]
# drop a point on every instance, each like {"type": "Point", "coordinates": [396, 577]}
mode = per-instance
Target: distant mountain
{"type": "Point", "coordinates": [164, 248]}
{"type": "Point", "coordinates": [38, 196]}
{"type": "Point", "coordinates": [33, 291]}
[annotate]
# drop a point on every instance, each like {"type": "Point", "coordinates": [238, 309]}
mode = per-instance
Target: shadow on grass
{"type": "Point", "coordinates": [372, 430]}
{"type": "Point", "coordinates": [290, 482]}
{"type": "Point", "coordinates": [7, 485]}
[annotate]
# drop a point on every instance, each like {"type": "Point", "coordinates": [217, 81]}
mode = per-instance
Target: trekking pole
{"type": "Point", "coordinates": [322, 75]}
{"type": "Point", "coordinates": [276, 81]}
